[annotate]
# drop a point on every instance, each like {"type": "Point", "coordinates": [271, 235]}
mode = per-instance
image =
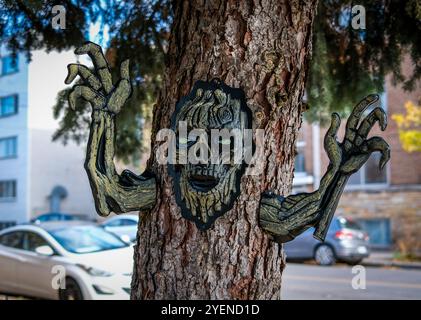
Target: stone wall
{"type": "Point", "coordinates": [401, 205]}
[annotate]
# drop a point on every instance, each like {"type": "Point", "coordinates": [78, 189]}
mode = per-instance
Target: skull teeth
{"type": "Point", "coordinates": [212, 171]}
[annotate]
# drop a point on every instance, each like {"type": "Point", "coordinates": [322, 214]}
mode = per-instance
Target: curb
{"type": "Point", "coordinates": [392, 264]}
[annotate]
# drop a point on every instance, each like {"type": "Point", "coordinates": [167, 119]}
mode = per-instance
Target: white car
{"type": "Point", "coordinates": [95, 264]}
{"type": "Point", "coordinates": [123, 226]}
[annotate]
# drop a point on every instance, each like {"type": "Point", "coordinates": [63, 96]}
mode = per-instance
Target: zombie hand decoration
{"type": "Point", "coordinates": [112, 192]}
{"type": "Point", "coordinates": [285, 218]}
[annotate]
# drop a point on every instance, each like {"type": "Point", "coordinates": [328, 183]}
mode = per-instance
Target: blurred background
{"type": "Point", "coordinates": [42, 144]}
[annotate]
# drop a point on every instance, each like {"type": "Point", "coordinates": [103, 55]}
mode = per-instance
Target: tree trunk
{"type": "Point", "coordinates": [264, 48]}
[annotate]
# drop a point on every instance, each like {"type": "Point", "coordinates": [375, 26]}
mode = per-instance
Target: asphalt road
{"type": "Point", "coordinates": [303, 281]}
{"type": "Point", "coordinates": [307, 282]}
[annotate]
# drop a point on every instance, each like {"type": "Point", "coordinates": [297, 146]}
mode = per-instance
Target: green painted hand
{"type": "Point", "coordinates": [112, 192]}
{"type": "Point", "coordinates": [285, 218]}
{"type": "Point", "coordinates": [98, 88]}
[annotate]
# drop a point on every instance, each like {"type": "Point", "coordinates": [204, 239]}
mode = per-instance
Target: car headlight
{"type": "Point", "coordinates": [94, 271]}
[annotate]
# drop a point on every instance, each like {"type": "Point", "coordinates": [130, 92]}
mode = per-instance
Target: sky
{"type": "Point", "coordinates": [47, 72]}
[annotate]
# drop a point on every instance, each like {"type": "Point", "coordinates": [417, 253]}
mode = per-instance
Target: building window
{"type": "Point", "coordinates": [300, 161]}
{"type": "Point", "coordinates": [302, 179]}
{"type": "Point", "coordinates": [370, 174]}
{"type": "Point", "coordinates": [9, 65]}
{"type": "Point", "coordinates": [300, 164]}
{"type": "Point", "coordinates": [7, 190]}
{"type": "Point", "coordinates": [8, 147]}
{"type": "Point", "coordinates": [8, 105]}
{"type": "Point", "coordinates": [6, 224]}
{"type": "Point", "coordinates": [379, 231]}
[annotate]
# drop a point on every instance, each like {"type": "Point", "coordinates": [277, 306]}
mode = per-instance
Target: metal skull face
{"type": "Point", "coordinates": [206, 188]}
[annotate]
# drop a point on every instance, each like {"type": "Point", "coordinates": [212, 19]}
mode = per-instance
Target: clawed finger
{"type": "Point", "coordinates": [378, 144]}
{"type": "Point", "coordinates": [330, 143]}
{"type": "Point", "coordinates": [354, 118]}
{"type": "Point", "coordinates": [75, 69]}
{"type": "Point", "coordinates": [119, 96]}
{"type": "Point", "coordinates": [86, 93]}
{"type": "Point", "coordinates": [95, 53]}
{"type": "Point", "coordinates": [124, 70]}
{"type": "Point", "coordinates": [376, 115]}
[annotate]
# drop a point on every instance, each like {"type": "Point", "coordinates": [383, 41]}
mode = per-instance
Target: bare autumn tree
{"type": "Point", "coordinates": [264, 48]}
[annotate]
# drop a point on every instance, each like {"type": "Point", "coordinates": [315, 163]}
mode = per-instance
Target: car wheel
{"type": "Point", "coordinates": [324, 255]}
{"type": "Point", "coordinates": [71, 292]}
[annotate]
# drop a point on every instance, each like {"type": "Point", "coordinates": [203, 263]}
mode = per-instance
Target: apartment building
{"type": "Point", "coordinates": [36, 174]}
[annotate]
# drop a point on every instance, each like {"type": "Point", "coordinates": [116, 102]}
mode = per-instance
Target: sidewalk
{"type": "Point", "coordinates": [385, 259]}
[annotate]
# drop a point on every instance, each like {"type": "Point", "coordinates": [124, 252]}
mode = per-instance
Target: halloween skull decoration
{"type": "Point", "coordinates": [206, 189]}
{"type": "Point", "coordinates": [216, 114]}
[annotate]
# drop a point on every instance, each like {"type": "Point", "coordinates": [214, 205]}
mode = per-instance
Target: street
{"type": "Point", "coordinates": [304, 281]}
{"type": "Point", "coordinates": [308, 281]}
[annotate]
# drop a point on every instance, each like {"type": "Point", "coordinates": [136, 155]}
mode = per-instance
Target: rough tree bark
{"type": "Point", "coordinates": [264, 48]}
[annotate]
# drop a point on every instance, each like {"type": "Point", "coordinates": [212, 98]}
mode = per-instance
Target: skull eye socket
{"type": "Point", "coordinates": [181, 141]}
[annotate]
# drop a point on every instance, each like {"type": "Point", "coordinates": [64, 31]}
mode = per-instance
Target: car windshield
{"type": "Point", "coordinates": [54, 217]}
{"type": "Point", "coordinates": [349, 224]}
{"type": "Point", "coordinates": [86, 239]}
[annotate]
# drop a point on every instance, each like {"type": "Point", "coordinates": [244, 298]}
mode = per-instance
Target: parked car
{"type": "Point", "coordinates": [97, 264]}
{"type": "Point", "coordinates": [53, 216]}
{"type": "Point", "coordinates": [345, 241]}
{"type": "Point", "coordinates": [124, 226]}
